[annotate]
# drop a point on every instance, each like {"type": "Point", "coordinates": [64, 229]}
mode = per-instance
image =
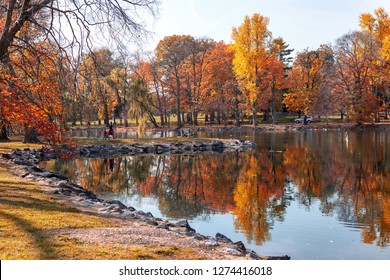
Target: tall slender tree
{"type": "Point", "coordinates": [172, 52]}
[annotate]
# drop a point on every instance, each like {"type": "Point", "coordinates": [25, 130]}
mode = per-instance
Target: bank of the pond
{"type": "Point", "coordinates": [121, 231]}
{"type": "Point", "coordinates": [189, 130]}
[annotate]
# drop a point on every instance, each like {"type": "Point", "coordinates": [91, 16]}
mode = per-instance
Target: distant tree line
{"type": "Point", "coordinates": [48, 79]}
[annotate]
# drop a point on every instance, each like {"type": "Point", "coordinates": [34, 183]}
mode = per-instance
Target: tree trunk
{"type": "Point", "coordinates": [3, 132]}
{"type": "Point", "coordinates": [236, 109]}
{"type": "Point", "coordinates": [218, 115]}
{"type": "Point", "coordinates": [183, 119]}
{"type": "Point", "coordinates": [126, 118]}
{"type": "Point", "coordinates": [212, 117]}
{"type": "Point", "coordinates": [224, 118]}
{"type": "Point", "coordinates": [106, 116]}
{"type": "Point", "coordinates": [31, 135]}
{"type": "Point", "coordinates": [254, 114]}
{"type": "Point", "coordinates": [153, 120]}
{"type": "Point", "coordinates": [179, 124]}
{"type": "Point", "coordinates": [189, 118]}
{"type": "Point", "coordinates": [272, 106]}
{"type": "Point", "coordinates": [195, 118]}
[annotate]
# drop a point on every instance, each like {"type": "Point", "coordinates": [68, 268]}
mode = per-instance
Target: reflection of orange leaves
{"type": "Point", "coordinates": [303, 168]}
{"type": "Point", "coordinates": [207, 184]}
{"type": "Point", "coordinates": [369, 235]}
{"type": "Point", "coordinates": [147, 188]}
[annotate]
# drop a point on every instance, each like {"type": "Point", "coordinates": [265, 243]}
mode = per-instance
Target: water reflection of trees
{"type": "Point", "coordinates": [346, 173]}
{"type": "Point", "coordinates": [201, 184]}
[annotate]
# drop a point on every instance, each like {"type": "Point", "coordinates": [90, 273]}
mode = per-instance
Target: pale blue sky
{"type": "Point", "coordinates": [301, 23]}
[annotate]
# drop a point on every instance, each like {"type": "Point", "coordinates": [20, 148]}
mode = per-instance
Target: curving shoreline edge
{"type": "Point", "coordinates": [24, 163]}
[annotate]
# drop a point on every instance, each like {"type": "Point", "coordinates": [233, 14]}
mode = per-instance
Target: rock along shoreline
{"type": "Point", "coordinates": [24, 163]}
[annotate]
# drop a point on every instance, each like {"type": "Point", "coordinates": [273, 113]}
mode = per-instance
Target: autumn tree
{"type": "Point", "coordinates": [119, 82]}
{"type": "Point", "coordinates": [356, 60]}
{"type": "Point", "coordinates": [47, 18]}
{"type": "Point", "coordinates": [29, 90]}
{"type": "Point", "coordinates": [271, 84]}
{"type": "Point", "coordinates": [275, 73]}
{"type": "Point", "coordinates": [194, 72]}
{"type": "Point", "coordinates": [250, 53]}
{"type": "Point", "coordinates": [378, 25]}
{"type": "Point", "coordinates": [159, 89]}
{"type": "Point", "coordinates": [171, 53]}
{"type": "Point", "coordinates": [309, 81]}
{"type": "Point", "coordinates": [220, 83]}
{"type": "Point", "coordinates": [95, 74]}
{"type": "Point", "coordinates": [258, 63]}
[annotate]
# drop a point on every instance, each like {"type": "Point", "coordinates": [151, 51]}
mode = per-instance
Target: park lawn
{"type": "Point", "coordinates": [30, 218]}
{"type": "Point", "coordinates": [16, 143]}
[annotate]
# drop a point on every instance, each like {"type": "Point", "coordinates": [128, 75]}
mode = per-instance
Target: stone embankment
{"type": "Point", "coordinates": [112, 150]}
{"type": "Point", "coordinates": [24, 163]}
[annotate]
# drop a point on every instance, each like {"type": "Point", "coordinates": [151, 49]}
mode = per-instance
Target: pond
{"type": "Point", "coordinates": [309, 194]}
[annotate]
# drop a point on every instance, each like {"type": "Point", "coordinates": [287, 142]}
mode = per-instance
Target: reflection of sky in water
{"type": "Point", "coordinates": [311, 235]}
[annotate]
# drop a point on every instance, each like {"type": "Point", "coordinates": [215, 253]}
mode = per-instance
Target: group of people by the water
{"type": "Point", "coordinates": [108, 131]}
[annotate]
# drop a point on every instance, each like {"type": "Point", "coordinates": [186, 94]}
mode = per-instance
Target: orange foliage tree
{"type": "Point", "coordinates": [258, 64]}
{"type": "Point", "coordinates": [357, 69]}
{"type": "Point", "coordinates": [309, 82]}
{"type": "Point", "coordinates": [378, 24]}
{"type": "Point", "coordinates": [29, 89]}
{"type": "Point", "coordinates": [172, 53]}
{"type": "Point", "coordinates": [220, 84]}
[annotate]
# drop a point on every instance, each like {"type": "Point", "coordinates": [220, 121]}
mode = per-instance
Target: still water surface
{"type": "Point", "coordinates": [310, 195]}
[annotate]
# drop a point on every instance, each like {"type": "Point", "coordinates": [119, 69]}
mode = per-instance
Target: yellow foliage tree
{"type": "Point", "coordinates": [250, 54]}
{"type": "Point", "coordinates": [378, 25]}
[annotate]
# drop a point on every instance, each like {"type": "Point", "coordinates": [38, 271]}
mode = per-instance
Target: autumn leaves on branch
{"type": "Point", "coordinates": [37, 41]}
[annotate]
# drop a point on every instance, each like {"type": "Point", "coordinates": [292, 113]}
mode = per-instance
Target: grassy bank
{"type": "Point", "coordinates": [31, 222]}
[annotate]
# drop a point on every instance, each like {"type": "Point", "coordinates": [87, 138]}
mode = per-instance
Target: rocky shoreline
{"type": "Point", "coordinates": [117, 150]}
{"type": "Point", "coordinates": [24, 163]}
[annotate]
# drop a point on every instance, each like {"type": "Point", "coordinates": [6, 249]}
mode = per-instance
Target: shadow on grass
{"type": "Point", "coordinates": [18, 206]}
{"type": "Point", "coordinates": [24, 197]}
{"type": "Point", "coordinates": [42, 242]}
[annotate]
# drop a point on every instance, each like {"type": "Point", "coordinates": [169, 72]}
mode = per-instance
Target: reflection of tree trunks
{"type": "Point", "coordinates": [197, 174]}
{"type": "Point", "coordinates": [127, 181]}
{"type": "Point", "coordinates": [189, 179]}
{"type": "Point", "coordinates": [118, 166]}
{"type": "Point", "coordinates": [203, 197]}
{"type": "Point", "coordinates": [158, 174]}
{"type": "Point", "coordinates": [178, 177]}
{"type": "Point", "coordinates": [101, 172]}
